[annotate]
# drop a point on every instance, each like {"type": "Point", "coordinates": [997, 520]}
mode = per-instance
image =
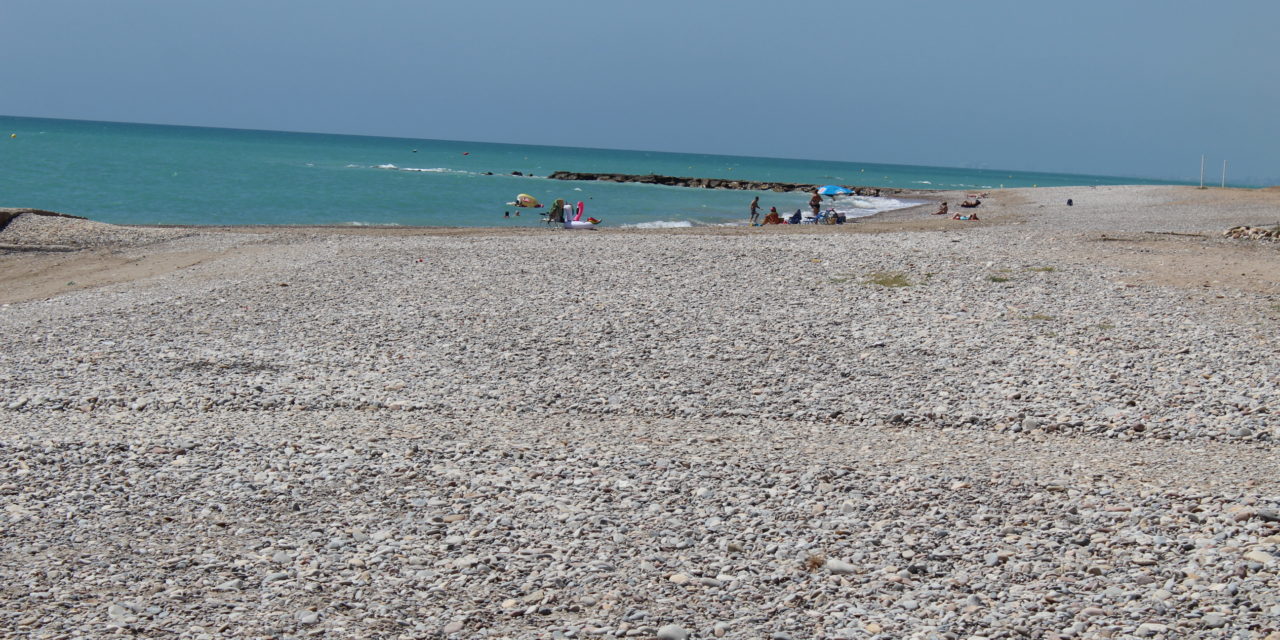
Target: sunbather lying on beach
{"type": "Point", "coordinates": [957, 216]}
{"type": "Point", "coordinates": [969, 204]}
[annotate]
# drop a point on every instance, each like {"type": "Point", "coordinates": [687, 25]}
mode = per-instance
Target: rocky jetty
{"type": "Point", "coordinates": [38, 230]}
{"type": "Point", "coordinates": [1253, 233]}
{"type": "Point", "coordinates": [720, 183]}
{"type": "Point", "coordinates": [9, 214]}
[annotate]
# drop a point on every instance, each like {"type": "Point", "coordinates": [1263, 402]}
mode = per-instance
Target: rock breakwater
{"type": "Point", "coordinates": [721, 183]}
{"type": "Point", "coordinates": [1253, 233]}
{"type": "Point", "coordinates": [8, 215]}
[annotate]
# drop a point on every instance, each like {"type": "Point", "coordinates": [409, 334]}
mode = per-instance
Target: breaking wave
{"type": "Point", "coordinates": [658, 224]}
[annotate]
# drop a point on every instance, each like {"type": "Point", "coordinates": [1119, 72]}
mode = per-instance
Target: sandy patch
{"type": "Point", "coordinates": [39, 275]}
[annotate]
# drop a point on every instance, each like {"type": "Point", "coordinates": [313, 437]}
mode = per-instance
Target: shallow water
{"type": "Point", "coordinates": [154, 174]}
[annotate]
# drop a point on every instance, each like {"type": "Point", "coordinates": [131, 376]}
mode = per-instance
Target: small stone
{"type": "Point", "coordinates": [281, 557]}
{"type": "Point", "coordinates": [306, 616]}
{"type": "Point", "coordinates": [672, 632]}
{"type": "Point", "coordinates": [1213, 620]}
{"type": "Point", "coordinates": [679, 578]}
{"type": "Point", "coordinates": [839, 567]}
{"type": "Point", "coordinates": [1240, 515]}
{"type": "Point", "coordinates": [1148, 629]}
{"type": "Point", "coordinates": [453, 627]}
{"type": "Point", "coordinates": [1261, 557]}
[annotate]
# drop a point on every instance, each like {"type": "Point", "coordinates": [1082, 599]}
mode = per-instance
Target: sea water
{"type": "Point", "coordinates": [153, 174]}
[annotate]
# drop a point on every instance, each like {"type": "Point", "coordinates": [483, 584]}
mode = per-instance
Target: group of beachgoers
{"type": "Point", "coordinates": [973, 202]}
{"type": "Point", "coordinates": [830, 216]}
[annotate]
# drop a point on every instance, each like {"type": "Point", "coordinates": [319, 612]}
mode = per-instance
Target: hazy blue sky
{"type": "Point", "coordinates": [1138, 88]}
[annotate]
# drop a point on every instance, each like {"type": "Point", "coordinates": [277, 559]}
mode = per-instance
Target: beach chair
{"type": "Point", "coordinates": [555, 215]}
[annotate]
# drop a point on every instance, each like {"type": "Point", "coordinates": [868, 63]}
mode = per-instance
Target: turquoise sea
{"type": "Point", "coordinates": [152, 174]}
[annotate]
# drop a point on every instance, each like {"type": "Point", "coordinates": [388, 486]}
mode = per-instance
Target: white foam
{"type": "Point", "coordinates": [659, 224]}
{"type": "Point", "coordinates": [393, 167]}
{"type": "Point", "coordinates": [863, 206]}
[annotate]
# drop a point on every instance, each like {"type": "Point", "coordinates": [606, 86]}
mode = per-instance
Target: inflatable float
{"type": "Point", "coordinates": [577, 222]}
{"type": "Point", "coordinates": [525, 200]}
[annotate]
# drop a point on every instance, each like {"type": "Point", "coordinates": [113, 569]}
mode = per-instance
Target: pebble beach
{"type": "Point", "coordinates": [1054, 422]}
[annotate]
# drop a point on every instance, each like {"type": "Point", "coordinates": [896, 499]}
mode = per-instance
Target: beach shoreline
{"type": "Point", "coordinates": [1053, 418]}
{"type": "Point", "coordinates": [39, 268]}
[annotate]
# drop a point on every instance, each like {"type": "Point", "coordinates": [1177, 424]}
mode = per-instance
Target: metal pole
{"type": "Point", "coordinates": [1202, 171]}
{"type": "Point", "coordinates": [1224, 174]}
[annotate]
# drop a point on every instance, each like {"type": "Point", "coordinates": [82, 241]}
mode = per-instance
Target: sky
{"type": "Point", "coordinates": [1139, 88]}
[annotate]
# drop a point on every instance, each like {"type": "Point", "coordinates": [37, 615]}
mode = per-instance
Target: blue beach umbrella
{"type": "Point", "coordinates": [833, 190]}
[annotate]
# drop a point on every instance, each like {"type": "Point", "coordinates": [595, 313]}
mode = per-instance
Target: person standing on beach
{"type": "Point", "coordinates": [815, 203]}
{"type": "Point", "coordinates": [755, 210]}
